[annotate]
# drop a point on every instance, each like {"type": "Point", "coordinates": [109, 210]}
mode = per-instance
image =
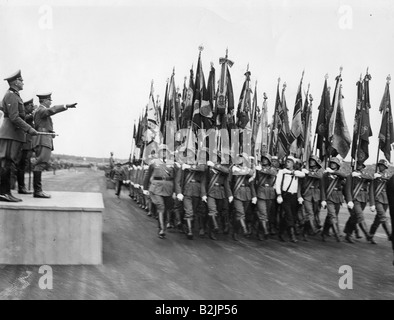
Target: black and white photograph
{"type": "Point", "coordinates": [195, 155]}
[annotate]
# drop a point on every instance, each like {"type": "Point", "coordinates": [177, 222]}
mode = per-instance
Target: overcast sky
{"type": "Point", "coordinates": [104, 54]}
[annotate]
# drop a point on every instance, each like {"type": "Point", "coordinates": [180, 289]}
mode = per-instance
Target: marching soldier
{"type": "Point", "coordinates": [43, 144]}
{"type": "Point", "coordinates": [243, 192]}
{"type": "Point", "coordinates": [333, 183]}
{"type": "Point", "coordinates": [288, 194]}
{"type": "Point", "coordinates": [356, 194]}
{"type": "Point", "coordinates": [378, 199]}
{"type": "Point", "coordinates": [111, 165]}
{"type": "Point", "coordinates": [273, 215]}
{"type": "Point", "coordinates": [188, 188]}
{"type": "Point", "coordinates": [311, 189]}
{"type": "Point", "coordinates": [217, 194]}
{"type": "Point", "coordinates": [27, 150]}
{"type": "Point", "coordinates": [12, 134]}
{"type": "Point", "coordinates": [266, 195]}
{"type": "Point", "coordinates": [162, 187]}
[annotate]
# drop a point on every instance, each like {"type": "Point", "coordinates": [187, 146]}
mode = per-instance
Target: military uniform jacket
{"type": "Point", "coordinates": [217, 184]}
{"type": "Point", "coordinates": [43, 123]}
{"type": "Point", "coordinates": [189, 181]}
{"type": "Point", "coordinates": [162, 174]}
{"type": "Point", "coordinates": [265, 181]}
{"type": "Point", "coordinates": [377, 190]}
{"type": "Point", "coordinates": [333, 186]}
{"type": "Point", "coordinates": [241, 187]}
{"type": "Point", "coordinates": [119, 174]}
{"type": "Point", "coordinates": [28, 145]}
{"type": "Point", "coordinates": [140, 176]}
{"type": "Point", "coordinates": [358, 185]}
{"type": "Point", "coordinates": [311, 185]}
{"type": "Point", "coordinates": [14, 126]}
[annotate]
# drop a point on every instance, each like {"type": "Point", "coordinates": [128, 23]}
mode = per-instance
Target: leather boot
{"type": "Point", "coordinates": [372, 232]}
{"type": "Point", "coordinates": [326, 229]}
{"type": "Point", "coordinates": [21, 183]}
{"type": "Point", "coordinates": [292, 235]}
{"type": "Point", "coordinates": [305, 228]}
{"type": "Point", "coordinates": [363, 227]}
{"type": "Point", "coordinates": [386, 229]}
{"type": "Point", "coordinates": [243, 225]}
{"type": "Point", "coordinates": [5, 186]}
{"type": "Point", "coordinates": [38, 193]}
{"type": "Point", "coordinates": [202, 224]}
{"type": "Point", "coordinates": [357, 233]}
{"type": "Point", "coordinates": [236, 230]}
{"type": "Point", "coordinates": [162, 233]}
{"type": "Point", "coordinates": [280, 232]}
{"type": "Point", "coordinates": [226, 224]}
{"type": "Point", "coordinates": [189, 229]}
{"type": "Point", "coordinates": [336, 232]}
{"type": "Point", "coordinates": [213, 228]}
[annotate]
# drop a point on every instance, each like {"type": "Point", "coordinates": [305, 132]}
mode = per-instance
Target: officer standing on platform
{"type": "Point", "coordinates": [333, 183]}
{"type": "Point", "coordinates": [356, 193]}
{"type": "Point", "coordinates": [12, 134]}
{"type": "Point", "coordinates": [288, 193]}
{"type": "Point", "coordinates": [266, 195]}
{"type": "Point", "coordinates": [378, 199]}
{"type": "Point", "coordinates": [27, 150]}
{"type": "Point", "coordinates": [242, 176]}
{"type": "Point", "coordinates": [217, 193]}
{"type": "Point", "coordinates": [43, 144]}
{"type": "Point", "coordinates": [311, 189]}
{"type": "Point", "coordinates": [162, 187]}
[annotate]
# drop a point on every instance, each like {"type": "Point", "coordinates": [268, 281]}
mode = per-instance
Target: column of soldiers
{"type": "Point", "coordinates": [277, 198]}
{"type": "Point", "coordinates": [23, 130]}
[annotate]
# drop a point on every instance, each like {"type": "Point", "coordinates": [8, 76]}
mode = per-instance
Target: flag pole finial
{"type": "Point", "coordinates": [211, 64]}
{"type": "Point", "coordinates": [303, 72]}
{"type": "Point", "coordinates": [367, 71]}
{"type": "Point", "coordinates": [340, 70]}
{"type": "Point", "coordinates": [326, 76]}
{"type": "Point", "coordinates": [226, 52]}
{"type": "Point", "coordinates": [265, 96]}
{"type": "Point", "coordinates": [310, 98]}
{"type": "Point", "coordinates": [278, 80]}
{"type": "Point", "coordinates": [200, 48]}
{"type": "Point", "coordinates": [173, 71]}
{"type": "Point", "coordinates": [388, 79]}
{"type": "Point", "coordinates": [284, 85]}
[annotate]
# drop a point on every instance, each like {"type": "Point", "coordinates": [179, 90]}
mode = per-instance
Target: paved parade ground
{"type": "Point", "coordinates": [139, 265]}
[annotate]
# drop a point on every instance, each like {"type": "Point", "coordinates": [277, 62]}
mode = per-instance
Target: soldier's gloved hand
{"type": "Point", "coordinates": [146, 167]}
{"type": "Point", "coordinates": [146, 192]}
{"type": "Point", "coordinates": [350, 205]}
{"type": "Point", "coordinates": [279, 200]}
{"type": "Point", "coordinates": [186, 166]}
{"type": "Point", "coordinates": [356, 174]}
{"type": "Point", "coordinates": [230, 199]}
{"type": "Point", "coordinates": [286, 171]}
{"type": "Point", "coordinates": [136, 185]}
{"type": "Point", "coordinates": [328, 170]}
{"type": "Point", "coordinates": [236, 169]}
{"type": "Point", "coordinates": [377, 175]}
{"type": "Point", "coordinates": [73, 105]}
{"type": "Point", "coordinates": [300, 200]}
{"type": "Point", "coordinates": [254, 200]}
{"type": "Point", "coordinates": [258, 168]}
{"type": "Point", "coordinates": [210, 164]}
{"type": "Point", "coordinates": [204, 198]}
{"type": "Point", "coordinates": [373, 208]}
{"type": "Point", "coordinates": [32, 132]}
{"type": "Point", "coordinates": [141, 187]}
{"type": "Point", "coordinates": [324, 204]}
{"type": "Point", "coordinates": [305, 171]}
{"type": "Point", "coordinates": [180, 196]}
{"type": "Point", "coordinates": [174, 196]}
{"type": "Point", "coordinates": [124, 181]}
{"type": "Point", "coordinates": [299, 174]}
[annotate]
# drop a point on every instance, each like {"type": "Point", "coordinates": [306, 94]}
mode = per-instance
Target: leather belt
{"type": "Point", "coordinates": [163, 178]}
{"type": "Point", "coordinates": [193, 180]}
{"type": "Point", "coordinates": [218, 184]}
{"type": "Point", "coordinates": [44, 130]}
{"type": "Point", "coordinates": [312, 187]}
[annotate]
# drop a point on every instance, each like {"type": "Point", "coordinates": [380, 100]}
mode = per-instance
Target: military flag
{"type": "Point", "coordinates": [284, 127]}
{"type": "Point", "coordinates": [386, 134]}
{"type": "Point", "coordinates": [362, 127]}
{"type": "Point", "coordinates": [296, 132]}
{"type": "Point", "coordinates": [322, 124]}
{"type": "Point", "coordinates": [338, 131]}
{"type": "Point", "coordinates": [199, 93]}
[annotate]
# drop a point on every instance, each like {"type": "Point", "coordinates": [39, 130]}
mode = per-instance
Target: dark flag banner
{"type": "Point", "coordinates": [284, 127]}
{"type": "Point", "coordinates": [296, 132]}
{"type": "Point", "coordinates": [323, 120]}
{"type": "Point", "coordinates": [199, 93]}
{"type": "Point", "coordinates": [338, 131]}
{"type": "Point", "coordinates": [362, 128]}
{"type": "Point", "coordinates": [386, 134]}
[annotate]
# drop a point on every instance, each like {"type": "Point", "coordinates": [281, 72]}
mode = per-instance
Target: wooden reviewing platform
{"type": "Point", "coordinates": [63, 230]}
